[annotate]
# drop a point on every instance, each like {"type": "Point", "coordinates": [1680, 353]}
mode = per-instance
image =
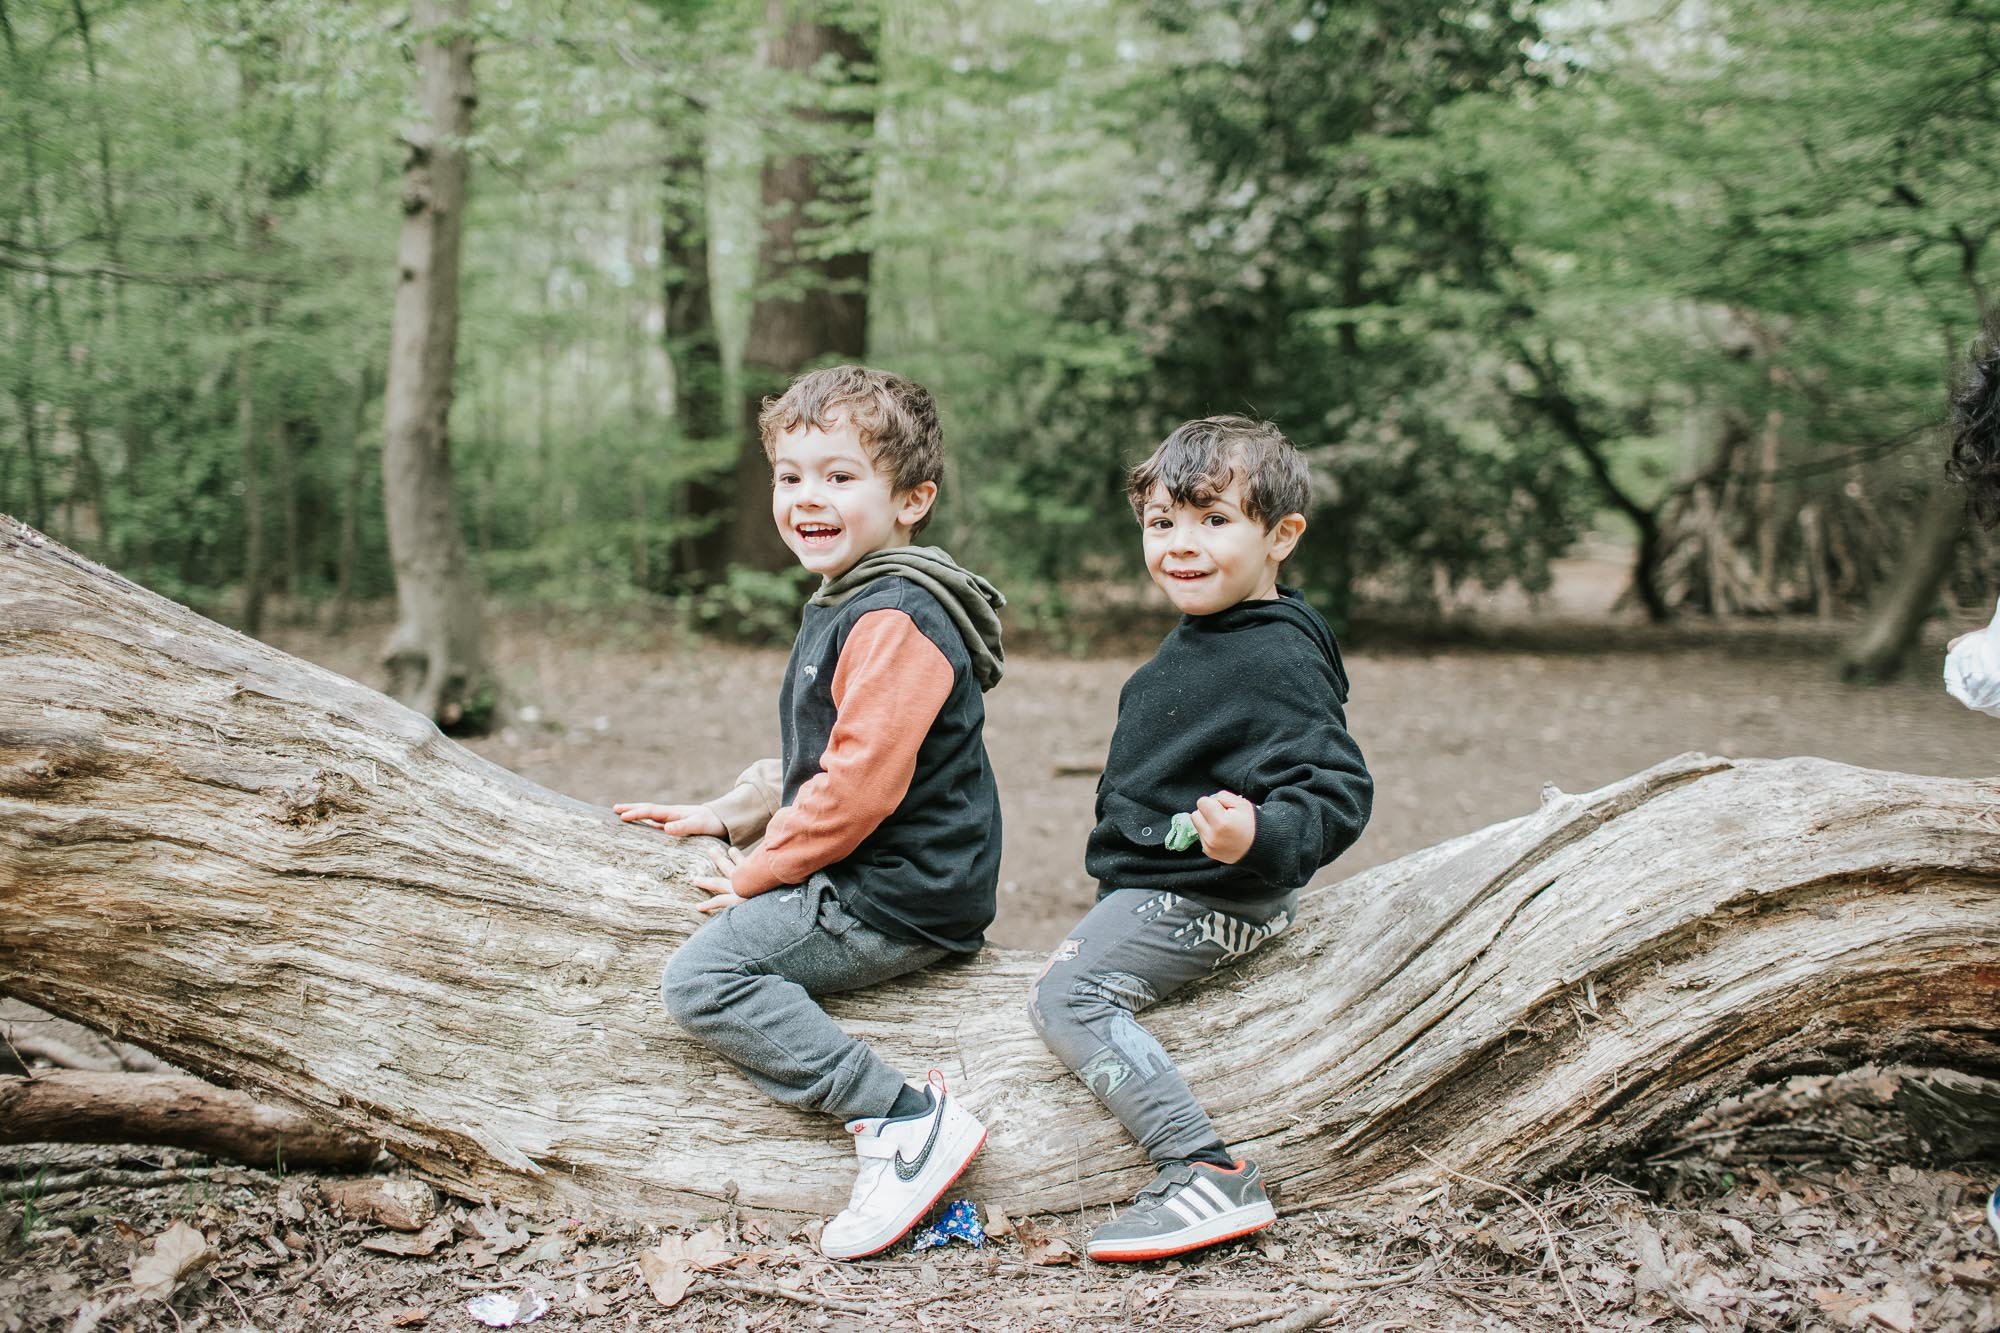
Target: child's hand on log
{"type": "Point", "coordinates": [1227, 824]}
{"type": "Point", "coordinates": [726, 860]}
{"type": "Point", "coordinates": [682, 821]}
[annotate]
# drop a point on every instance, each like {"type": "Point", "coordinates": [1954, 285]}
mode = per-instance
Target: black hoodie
{"type": "Point", "coordinates": [1248, 699]}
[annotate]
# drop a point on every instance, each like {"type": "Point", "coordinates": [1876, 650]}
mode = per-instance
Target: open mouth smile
{"type": "Point", "coordinates": [817, 534]}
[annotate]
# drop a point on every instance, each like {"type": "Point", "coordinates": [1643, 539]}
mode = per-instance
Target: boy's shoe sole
{"type": "Point", "coordinates": [1195, 1236]}
{"type": "Point", "coordinates": [1188, 1206]}
{"type": "Point", "coordinates": [955, 1151]}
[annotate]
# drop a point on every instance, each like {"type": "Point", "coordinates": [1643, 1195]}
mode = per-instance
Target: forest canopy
{"type": "Point", "coordinates": [1689, 277]}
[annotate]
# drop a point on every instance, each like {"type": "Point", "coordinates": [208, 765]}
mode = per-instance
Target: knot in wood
{"type": "Point", "coordinates": [320, 798]}
{"type": "Point", "coordinates": [36, 763]}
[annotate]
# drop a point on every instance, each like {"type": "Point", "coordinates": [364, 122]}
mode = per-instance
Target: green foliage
{"type": "Point", "coordinates": [1733, 233]}
{"type": "Point", "coordinates": [751, 606]}
{"type": "Point", "coordinates": [1300, 245]}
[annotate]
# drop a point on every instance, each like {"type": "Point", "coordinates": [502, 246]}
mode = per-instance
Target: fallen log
{"type": "Point", "coordinates": [282, 880]}
{"type": "Point", "coordinates": [172, 1111]}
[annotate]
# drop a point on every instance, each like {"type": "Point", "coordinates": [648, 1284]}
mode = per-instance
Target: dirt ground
{"type": "Point", "coordinates": [1802, 1206]}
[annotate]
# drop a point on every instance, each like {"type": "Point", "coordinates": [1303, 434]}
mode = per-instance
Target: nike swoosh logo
{"type": "Point", "coordinates": [907, 1171]}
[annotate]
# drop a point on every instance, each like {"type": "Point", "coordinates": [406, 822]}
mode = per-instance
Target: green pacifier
{"type": "Point", "coordinates": [1181, 834]}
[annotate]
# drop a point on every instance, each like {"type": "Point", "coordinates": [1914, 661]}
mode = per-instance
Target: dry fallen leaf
{"type": "Point", "coordinates": [179, 1251]}
{"type": "Point", "coordinates": [1045, 1249]}
{"type": "Point", "coordinates": [423, 1243]}
{"type": "Point", "coordinates": [494, 1231]}
{"type": "Point", "coordinates": [1893, 1309]}
{"type": "Point", "coordinates": [588, 1302]}
{"type": "Point", "coordinates": [409, 1317]}
{"type": "Point", "coordinates": [669, 1266]}
{"type": "Point", "coordinates": [545, 1249]}
{"type": "Point", "coordinates": [998, 1223]}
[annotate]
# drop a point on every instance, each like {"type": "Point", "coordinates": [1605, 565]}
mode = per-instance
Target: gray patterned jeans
{"type": "Point", "coordinates": [1132, 950]}
{"type": "Point", "coordinates": [743, 985]}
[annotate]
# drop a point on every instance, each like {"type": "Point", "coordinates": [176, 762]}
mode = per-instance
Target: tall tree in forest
{"type": "Point", "coordinates": [26, 296]}
{"type": "Point", "coordinates": [253, 224]}
{"type": "Point", "coordinates": [812, 268]}
{"type": "Point", "coordinates": [694, 346]}
{"type": "Point", "coordinates": [436, 658]}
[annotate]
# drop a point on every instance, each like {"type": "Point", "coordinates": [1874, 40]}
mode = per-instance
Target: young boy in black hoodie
{"type": "Point", "coordinates": [1237, 723]}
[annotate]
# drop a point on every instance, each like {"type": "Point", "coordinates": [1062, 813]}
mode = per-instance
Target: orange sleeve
{"type": "Point", "coordinates": [887, 690]}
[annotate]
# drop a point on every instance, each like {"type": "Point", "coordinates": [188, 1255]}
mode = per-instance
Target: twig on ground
{"type": "Point", "coordinates": [98, 1177]}
{"type": "Point", "coordinates": [1422, 1268]}
{"type": "Point", "coordinates": [1298, 1321]}
{"type": "Point", "coordinates": [788, 1294]}
{"type": "Point", "coordinates": [241, 1312]}
{"type": "Point", "coordinates": [1548, 1234]}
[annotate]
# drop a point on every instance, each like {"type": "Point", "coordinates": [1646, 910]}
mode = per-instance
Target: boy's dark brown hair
{"type": "Point", "coordinates": [1198, 461]}
{"type": "Point", "coordinates": [896, 419]}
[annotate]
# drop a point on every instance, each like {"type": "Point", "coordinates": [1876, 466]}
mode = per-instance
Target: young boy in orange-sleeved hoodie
{"type": "Point", "coordinates": [880, 826]}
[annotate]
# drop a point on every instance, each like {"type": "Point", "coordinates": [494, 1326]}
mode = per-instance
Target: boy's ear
{"type": "Point", "coordinates": [1285, 535]}
{"type": "Point", "coordinates": [915, 503]}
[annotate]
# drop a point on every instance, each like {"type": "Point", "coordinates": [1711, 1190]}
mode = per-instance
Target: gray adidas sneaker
{"type": "Point", "coordinates": [1188, 1205]}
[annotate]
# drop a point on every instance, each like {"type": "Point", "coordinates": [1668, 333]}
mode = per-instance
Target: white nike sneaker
{"type": "Point", "coordinates": [906, 1166]}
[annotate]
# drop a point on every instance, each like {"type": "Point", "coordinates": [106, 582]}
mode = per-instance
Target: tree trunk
{"type": "Point", "coordinates": [1554, 401]}
{"type": "Point", "coordinates": [26, 330]}
{"type": "Point", "coordinates": [693, 343]}
{"type": "Point", "coordinates": [1897, 616]}
{"type": "Point", "coordinates": [350, 509]}
{"type": "Point", "coordinates": [436, 658]}
{"type": "Point", "coordinates": [281, 880]}
{"type": "Point", "coordinates": [171, 1111]}
{"type": "Point", "coordinates": [252, 237]}
{"type": "Point", "coordinates": [808, 307]}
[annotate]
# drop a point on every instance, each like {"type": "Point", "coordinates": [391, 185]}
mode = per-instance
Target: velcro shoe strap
{"type": "Point", "coordinates": [874, 1145]}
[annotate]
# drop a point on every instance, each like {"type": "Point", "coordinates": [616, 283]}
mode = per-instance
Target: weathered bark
{"type": "Point", "coordinates": [1957, 1115]}
{"type": "Point", "coordinates": [436, 657]}
{"type": "Point", "coordinates": [171, 1111]}
{"type": "Point", "coordinates": [808, 306]}
{"type": "Point", "coordinates": [281, 880]}
{"type": "Point", "coordinates": [1907, 600]}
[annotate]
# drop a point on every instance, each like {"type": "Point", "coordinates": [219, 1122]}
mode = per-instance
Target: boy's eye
{"type": "Point", "coordinates": [1216, 520]}
{"type": "Point", "coordinates": [1158, 524]}
{"type": "Point", "coordinates": [788, 478]}
{"type": "Point", "coordinates": [840, 476]}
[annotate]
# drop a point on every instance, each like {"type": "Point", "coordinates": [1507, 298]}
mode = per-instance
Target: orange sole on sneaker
{"type": "Point", "coordinates": [921, 1213]}
{"type": "Point", "coordinates": [1117, 1254]}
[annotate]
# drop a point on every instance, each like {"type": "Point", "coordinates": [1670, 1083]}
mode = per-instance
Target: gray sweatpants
{"type": "Point", "coordinates": [743, 984]}
{"type": "Point", "coordinates": [1133, 949]}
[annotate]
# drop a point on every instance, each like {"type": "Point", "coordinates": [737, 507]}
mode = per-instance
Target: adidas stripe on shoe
{"type": "Point", "coordinates": [906, 1166]}
{"type": "Point", "coordinates": [1189, 1205]}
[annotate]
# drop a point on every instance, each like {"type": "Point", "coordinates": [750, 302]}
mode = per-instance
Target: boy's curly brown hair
{"type": "Point", "coordinates": [896, 418]}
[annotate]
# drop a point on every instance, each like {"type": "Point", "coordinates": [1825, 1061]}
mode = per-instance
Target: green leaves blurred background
{"type": "Point", "coordinates": [1688, 276]}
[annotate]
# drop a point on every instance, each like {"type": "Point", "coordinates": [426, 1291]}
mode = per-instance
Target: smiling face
{"type": "Point", "coordinates": [1208, 557]}
{"type": "Point", "coordinates": [832, 504]}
